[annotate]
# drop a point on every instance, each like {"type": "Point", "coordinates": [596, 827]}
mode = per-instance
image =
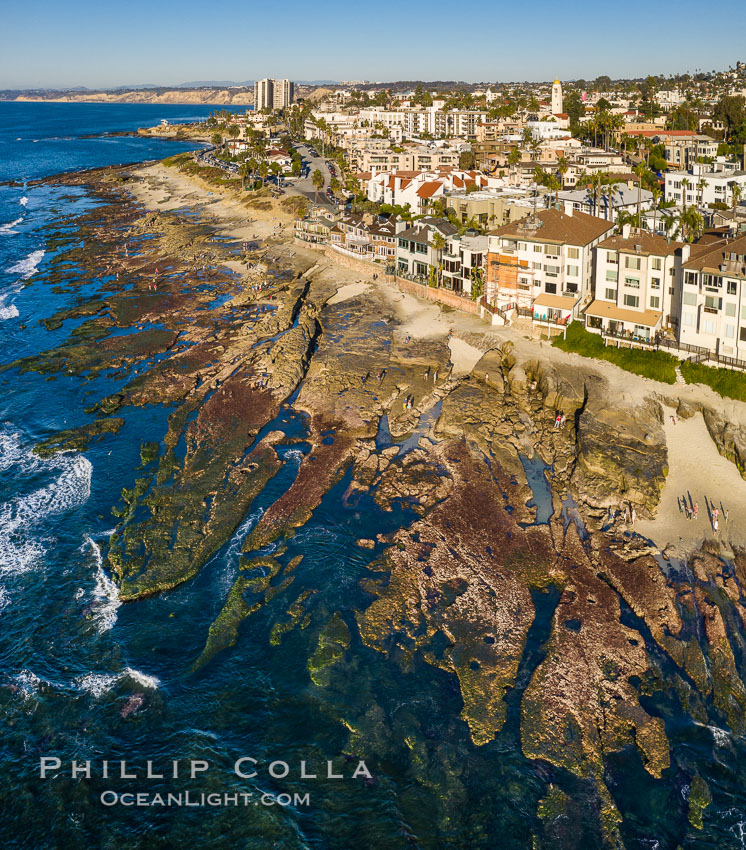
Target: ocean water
{"type": "Point", "coordinates": [83, 677]}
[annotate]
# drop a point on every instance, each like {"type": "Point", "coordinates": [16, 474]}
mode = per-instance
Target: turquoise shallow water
{"type": "Point", "coordinates": [72, 658]}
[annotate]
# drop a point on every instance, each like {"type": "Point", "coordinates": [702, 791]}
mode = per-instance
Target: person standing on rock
{"type": "Point", "coordinates": [634, 516]}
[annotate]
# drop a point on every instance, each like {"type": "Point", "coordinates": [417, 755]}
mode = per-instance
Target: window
{"type": "Point", "coordinates": [656, 264]}
{"type": "Point", "coordinates": [552, 271]}
{"type": "Point", "coordinates": [732, 287]}
{"type": "Point", "coordinates": [655, 302]}
{"type": "Point", "coordinates": [690, 278]}
{"type": "Point", "coordinates": [730, 310]}
{"type": "Point", "coordinates": [611, 294]}
{"type": "Point", "coordinates": [690, 298]}
{"type": "Point", "coordinates": [522, 246]}
{"type": "Point", "coordinates": [552, 250]}
{"type": "Point", "coordinates": [573, 271]}
{"type": "Point", "coordinates": [730, 331]}
{"type": "Point", "coordinates": [743, 335]}
{"type": "Point", "coordinates": [712, 303]}
{"type": "Point", "coordinates": [403, 266]}
{"type": "Point", "coordinates": [420, 247]}
{"type": "Point", "coordinates": [551, 288]}
{"type": "Point", "coordinates": [611, 257]}
{"type": "Point", "coordinates": [612, 275]}
{"type": "Point", "coordinates": [632, 282]}
{"type": "Point", "coordinates": [631, 301]}
{"type": "Point", "coordinates": [536, 265]}
{"type": "Point", "coordinates": [404, 243]}
{"type": "Point", "coordinates": [573, 253]}
{"type": "Point", "coordinates": [655, 283]}
{"type": "Point", "coordinates": [632, 263]}
{"type": "Point", "coordinates": [689, 319]}
{"type": "Point", "coordinates": [709, 326]}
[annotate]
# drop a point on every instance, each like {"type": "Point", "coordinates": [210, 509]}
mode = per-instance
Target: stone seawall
{"type": "Point", "coordinates": [451, 299]}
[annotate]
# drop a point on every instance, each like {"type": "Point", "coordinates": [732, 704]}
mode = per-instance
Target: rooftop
{"type": "Point", "coordinates": [649, 244]}
{"type": "Point", "coordinates": [552, 225]}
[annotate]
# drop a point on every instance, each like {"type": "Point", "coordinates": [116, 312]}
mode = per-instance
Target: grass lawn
{"type": "Point", "coordinates": [724, 381]}
{"type": "Point", "coordinates": [657, 365]}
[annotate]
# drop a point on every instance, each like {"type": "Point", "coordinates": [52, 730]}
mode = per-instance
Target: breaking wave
{"type": "Point", "coordinates": [23, 201]}
{"type": "Point", "coordinates": [28, 265]}
{"type": "Point", "coordinates": [105, 593]}
{"type": "Point", "coordinates": [71, 487]}
{"type": "Point", "coordinates": [7, 312]}
{"type": "Point", "coordinates": [97, 684]}
{"type": "Point", "coordinates": [7, 228]}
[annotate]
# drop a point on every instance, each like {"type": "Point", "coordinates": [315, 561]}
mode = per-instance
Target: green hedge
{"type": "Point", "coordinates": [657, 365]}
{"type": "Point", "coordinates": [724, 381]}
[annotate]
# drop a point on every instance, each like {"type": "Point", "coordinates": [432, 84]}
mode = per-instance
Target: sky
{"type": "Point", "coordinates": [106, 43]}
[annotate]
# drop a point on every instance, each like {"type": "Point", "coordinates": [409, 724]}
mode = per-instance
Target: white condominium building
{"type": "Point", "coordinates": [273, 94]}
{"type": "Point", "coordinates": [713, 300]}
{"type": "Point", "coordinates": [637, 289]}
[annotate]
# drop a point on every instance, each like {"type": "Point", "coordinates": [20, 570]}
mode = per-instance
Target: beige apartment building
{"type": "Point", "coordinates": [273, 94]}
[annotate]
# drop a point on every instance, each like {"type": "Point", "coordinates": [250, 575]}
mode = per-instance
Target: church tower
{"type": "Point", "coordinates": [556, 97]}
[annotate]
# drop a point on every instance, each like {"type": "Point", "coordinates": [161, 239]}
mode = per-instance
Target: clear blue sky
{"type": "Point", "coordinates": [60, 43]}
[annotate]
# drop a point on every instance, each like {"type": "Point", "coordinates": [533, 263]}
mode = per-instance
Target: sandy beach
{"type": "Point", "coordinates": [699, 475]}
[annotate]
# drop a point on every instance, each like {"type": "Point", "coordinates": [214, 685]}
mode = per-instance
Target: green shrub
{"type": "Point", "coordinates": [724, 381]}
{"type": "Point", "coordinates": [658, 365]}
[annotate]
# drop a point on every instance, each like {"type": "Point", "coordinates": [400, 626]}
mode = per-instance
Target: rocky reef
{"type": "Point", "coordinates": [512, 571]}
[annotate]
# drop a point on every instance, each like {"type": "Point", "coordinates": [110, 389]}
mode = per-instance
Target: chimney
{"type": "Point", "coordinates": [626, 230]}
{"type": "Point", "coordinates": [685, 252]}
{"type": "Point", "coordinates": [569, 210]}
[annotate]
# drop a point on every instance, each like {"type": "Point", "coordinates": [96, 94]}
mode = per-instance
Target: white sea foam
{"type": "Point", "coordinates": [20, 546]}
{"type": "Point", "coordinates": [97, 684]}
{"type": "Point", "coordinates": [7, 228]}
{"type": "Point", "coordinates": [8, 312]}
{"type": "Point", "coordinates": [4, 598]}
{"type": "Point", "coordinates": [28, 683]}
{"type": "Point", "coordinates": [23, 201]}
{"type": "Point", "coordinates": [105, 592]}
{"type": "Point", "coordinates": [28, 265]}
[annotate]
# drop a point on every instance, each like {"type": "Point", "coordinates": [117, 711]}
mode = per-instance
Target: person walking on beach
{"type": "Point", "coordinates": [696, 509]}
{"type": "Point", "coordinates": [715, 525]}
{"type": "Point", "coordinates": [726, 515]}
{"type": "Point", "coordinates": [634, 516]}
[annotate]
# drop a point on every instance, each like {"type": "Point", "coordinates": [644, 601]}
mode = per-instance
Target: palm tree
{"type": "Point", "coordinates": [684, 186]}
{"type": "Point", "coordinates": [640, 170]}
{"type": "Point", "coordinates": [562, 167]}
{"type": "Point", "coordinates": [263, 171]}
{"type": "Point", "coordinates": [691, 223]}
{"type": "Point", "coordinates": [317, 178]}
{"type": "Point", "coordinates": [514, 157]}
{"type": "Point", "coordinates": [657, 194]}
{"type": "Point", "coordinates": [702, 185]}
{"type": "Point", "coordinates": [735, 189]}
{"type": "Point", "coordinates": [243, 173]}
{"type": "Point", "coordinates": [439, 244]}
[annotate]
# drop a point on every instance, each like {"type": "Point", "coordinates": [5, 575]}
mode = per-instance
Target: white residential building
{"type": "Point", "coordinates": [544, 262]}
{"type": "Point", "coordinates": [713, 301]}
{"type": "Point", "coordinates": [637, 286]}
{"type": "Point", "coordinates": [705, 185]}
{"type": "Point", "coordinates": [463, 262]}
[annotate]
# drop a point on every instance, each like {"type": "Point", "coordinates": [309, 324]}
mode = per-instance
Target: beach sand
{"type": "Point", "coordinates": [697, 473]}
